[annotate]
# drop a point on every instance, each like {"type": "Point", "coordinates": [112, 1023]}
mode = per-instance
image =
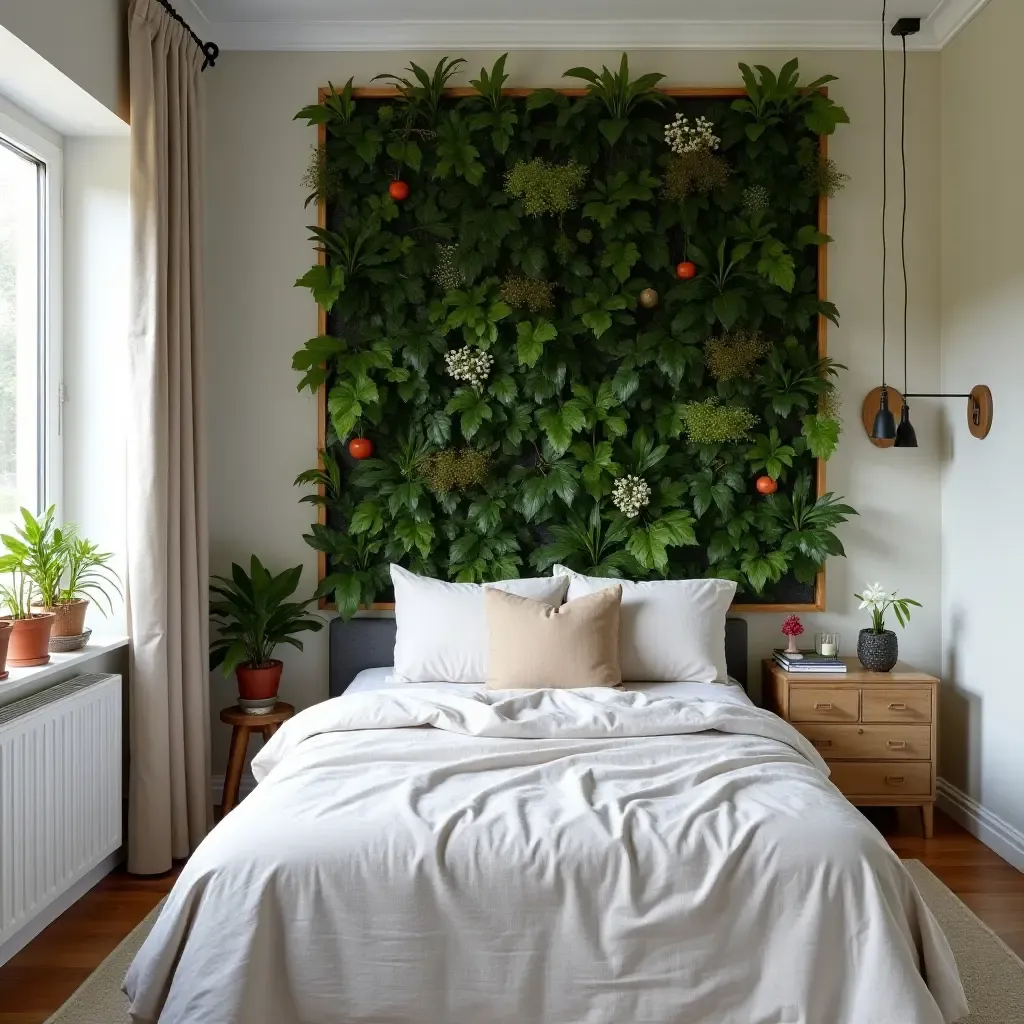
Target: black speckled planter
{"type": "Point", "coordinates": [878, 652]}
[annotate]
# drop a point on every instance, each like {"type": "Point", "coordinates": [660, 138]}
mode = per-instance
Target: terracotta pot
{"type": "Point", "coordinates": [6, 627]}
{"type": "Point", "coordinates": [259, 683]}
{"type": "Point", "coordinates": [70, 619]}
{"type": "Point", "coordinates": [30, 641]}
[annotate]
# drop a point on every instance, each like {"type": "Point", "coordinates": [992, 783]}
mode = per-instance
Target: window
{"type": "Point", "coordinates": [29, 282]}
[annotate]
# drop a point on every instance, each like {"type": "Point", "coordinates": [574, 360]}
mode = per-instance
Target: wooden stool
{"type": "Point", "coordinates": [242, 727]}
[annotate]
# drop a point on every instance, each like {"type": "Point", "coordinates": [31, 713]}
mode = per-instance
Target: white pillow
{"type": "Point", "coordinates": [671, 630]}
{"type": "Point", "coordinates": [442, 627]}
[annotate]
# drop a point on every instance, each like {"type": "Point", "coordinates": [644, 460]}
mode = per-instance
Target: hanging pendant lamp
{"type": "Point", "coordinates": [884, 427]}
{"type": "Point", "coordinates": [906, 436]}
{"type": "Point", "coordinates": [884, 431]}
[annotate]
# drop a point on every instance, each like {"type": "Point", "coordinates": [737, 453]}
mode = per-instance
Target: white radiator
{"type": "Point", "coordinates": [60, 792]}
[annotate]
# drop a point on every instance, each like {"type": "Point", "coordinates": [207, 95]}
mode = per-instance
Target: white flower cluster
{"type": "Point", "coordinates": [631, 495]}
{"type": "Point", "coordinates": [683, 136]}
{"type": "Point", "coordinates": [469, 364]}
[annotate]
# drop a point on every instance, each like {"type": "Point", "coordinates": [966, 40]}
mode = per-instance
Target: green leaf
{"type": "Point", "coordinates": [347, 404]}
{"type": "Point", "coordinates": [406, 152]}
{"type": "Point", "coordinates": [612, 129]}
{"type": "Point", "coordinates": [822, 434]}
{"type": "Point", "coordinates": [777, 265]}
{"type": "Point", "coordinates": [559, 424]}
{"type": "Point", "coordinates": [761, 570]}
{"type": "Point", "coordinates": [326, 284]}
{"type": "Point", "coordinates": [313, 360]}
{"type": "Point", "coordinates": [532, 339]}
{"type": "Point", "coordinates": [621, 257]}
{"type": "Point", "coordinates": [729, 307]}
{"type": "Point", "coordinates": [367, 518]}
{"type": "Point", "coordinates": [413, 534]}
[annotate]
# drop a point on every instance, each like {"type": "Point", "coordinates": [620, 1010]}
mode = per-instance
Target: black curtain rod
{"type": "Point", "coordinates": [211, 51]}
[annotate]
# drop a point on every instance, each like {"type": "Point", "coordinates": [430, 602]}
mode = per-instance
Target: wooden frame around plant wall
{"type": "Point", "coordinates": [712, 92]}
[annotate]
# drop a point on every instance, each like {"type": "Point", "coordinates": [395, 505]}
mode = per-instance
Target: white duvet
{"type": "Point", "coordinates": [555, 857]}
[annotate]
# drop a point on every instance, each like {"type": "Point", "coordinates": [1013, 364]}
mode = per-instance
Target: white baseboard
{"type": "Point", "coordinates": [21, 938]}
{"type": "Point", "coordinates": [995, 833]}
{"type": "Point", "coordinates": [247, 785]}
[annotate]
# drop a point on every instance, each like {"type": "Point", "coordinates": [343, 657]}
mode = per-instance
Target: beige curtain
{"type": "Point", "coordinates": [170, 805]}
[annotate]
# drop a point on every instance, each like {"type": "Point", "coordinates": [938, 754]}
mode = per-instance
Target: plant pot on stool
{"type": "Point", "coordinates": [878, 652]}
{"type": "Point", "coordinates": [258, 686]}
{"type": "Point", "coordinates": [253, 615]}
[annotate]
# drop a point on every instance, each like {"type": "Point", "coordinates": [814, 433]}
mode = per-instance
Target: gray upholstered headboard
{"type": "Point", "coordinates": [370, 643]}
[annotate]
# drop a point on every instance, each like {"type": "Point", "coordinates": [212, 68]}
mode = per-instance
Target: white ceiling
{"type": "Point", "coordinates": [566, 24]}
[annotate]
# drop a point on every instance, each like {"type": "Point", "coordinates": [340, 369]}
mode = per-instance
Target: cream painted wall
{"type": "Point", "coordinates": [85, 39]}
{"type": "Point", "coordinates": [982, 494]}
{"type": "Point", "coordinates": [262, 433]}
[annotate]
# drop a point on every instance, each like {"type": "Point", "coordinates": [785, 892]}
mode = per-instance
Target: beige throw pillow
{"type": "Point", "coordinates": [533, 645]}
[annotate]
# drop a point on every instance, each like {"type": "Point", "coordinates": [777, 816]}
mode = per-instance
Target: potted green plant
{"type": "Point", "coordinates": [253, 616]}
{"type": "Point", "coordinates": [877, 647]}
{"type": "Point", "coordinates": [34, 561]}
{"type": "Point", "coordinates": [86, 577]}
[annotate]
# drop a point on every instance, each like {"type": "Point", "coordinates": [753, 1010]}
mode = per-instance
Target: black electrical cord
{"type": "Point", "coordinates": [903, 230]}
{"type": "Point", "coordinates": [211, 51]}
{"type": "Point", "coordinates": [885, 177]}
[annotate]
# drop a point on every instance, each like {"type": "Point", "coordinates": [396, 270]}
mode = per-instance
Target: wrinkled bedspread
{"type": "Point", "coordinates": [554, 857]}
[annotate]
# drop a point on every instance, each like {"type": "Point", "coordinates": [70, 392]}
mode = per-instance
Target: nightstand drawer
{"type": "Point", "coordinates": [870, 742]}
{"type": "Point", "coordinates": [897, 705]}
{"type": "Point", "coordinates": [882, 780]}
{"type": "Point", "coordinates": [820, 704]}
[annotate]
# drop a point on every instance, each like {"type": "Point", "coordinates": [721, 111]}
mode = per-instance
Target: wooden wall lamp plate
{"type": "Point", "coordinates": [872, 403]}
{"type": "Point", "coordinates": [979, 411]}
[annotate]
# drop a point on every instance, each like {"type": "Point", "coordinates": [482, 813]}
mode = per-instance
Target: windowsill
{"type": "Point", "coordinates": [23, 681]}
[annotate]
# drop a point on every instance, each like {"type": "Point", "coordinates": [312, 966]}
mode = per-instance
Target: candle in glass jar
{"type": "Point", "coordinates": [828, 650]}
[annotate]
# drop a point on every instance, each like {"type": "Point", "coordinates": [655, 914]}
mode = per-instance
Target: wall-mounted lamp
{"type": "Point", "coordinates": [879, 421]}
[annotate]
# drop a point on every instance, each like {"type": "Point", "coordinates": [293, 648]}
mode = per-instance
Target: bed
{"type": "Point", "coordinates": [425, 854]}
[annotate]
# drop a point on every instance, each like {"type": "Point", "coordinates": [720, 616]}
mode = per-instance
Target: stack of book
{"type": "Point", "coordinates": [810, 661]}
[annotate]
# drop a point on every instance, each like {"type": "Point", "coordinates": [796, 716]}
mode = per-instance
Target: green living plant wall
{"type": "Point", "coordinates": [575, 328]}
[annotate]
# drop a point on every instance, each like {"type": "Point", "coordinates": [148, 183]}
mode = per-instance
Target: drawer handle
{"type": "Point", "coordinates": [897, 707]}
{"type": "Point", "coordinates": [822, 706]}
{"type": "Point", "coordinates": [895, 780]}
{"type": "Point", "coordinates": [822, 743]}
{"type": "Point", "coordinates": [898, 744]}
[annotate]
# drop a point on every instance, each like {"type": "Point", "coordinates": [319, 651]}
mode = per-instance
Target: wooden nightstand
{"type": "Point", "coordinates": [876, 730]}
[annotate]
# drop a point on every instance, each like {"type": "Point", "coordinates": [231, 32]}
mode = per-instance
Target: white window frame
{"type": "Point", "coordinates": [50, 154]}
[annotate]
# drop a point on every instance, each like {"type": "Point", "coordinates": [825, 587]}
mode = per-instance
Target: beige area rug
{"type": "Point", "coordinates": [993, 976]}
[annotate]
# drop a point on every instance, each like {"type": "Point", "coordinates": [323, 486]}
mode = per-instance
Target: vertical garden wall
{"type": "Point", "coordinates": [580, 326]}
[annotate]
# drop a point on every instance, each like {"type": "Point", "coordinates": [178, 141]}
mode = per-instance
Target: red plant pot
{"type": "Point", "coordinates": [259, 683]}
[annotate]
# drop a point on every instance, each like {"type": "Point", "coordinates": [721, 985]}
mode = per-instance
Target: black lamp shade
{"type": "Point", "coordinates": [906, 436]}
{"type": "Point", "coordinates": [885, 423]}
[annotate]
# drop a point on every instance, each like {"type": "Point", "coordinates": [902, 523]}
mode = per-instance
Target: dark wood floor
{"type": "Point", "coordinates": [41, 978]}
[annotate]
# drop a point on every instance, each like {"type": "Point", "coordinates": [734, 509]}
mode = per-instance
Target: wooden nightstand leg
{"type": "Point", "coordinates": [928, 819]}
{"type": "Point", "coordinates": [236, 762]}
{"type": "Point", "coordinates": [268, 731]}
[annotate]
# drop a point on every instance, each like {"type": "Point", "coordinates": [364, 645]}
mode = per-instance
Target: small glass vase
{"type": "Point", "coordinates": [827, 644]}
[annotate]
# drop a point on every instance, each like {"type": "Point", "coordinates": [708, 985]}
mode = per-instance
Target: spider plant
{"type": "Point", "coordinates": [36, 559]}
{"type": "Point", "coordinates": [89, 576]}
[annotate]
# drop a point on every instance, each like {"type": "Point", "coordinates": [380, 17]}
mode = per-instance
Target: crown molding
{"type": "Point", "coordinates": [563, 35]}
{"type": "Point", "coordinates": [947, 22]}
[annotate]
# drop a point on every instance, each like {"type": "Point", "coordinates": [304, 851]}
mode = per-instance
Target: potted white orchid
{"type": "Point", "coordinates": [877, 647]}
